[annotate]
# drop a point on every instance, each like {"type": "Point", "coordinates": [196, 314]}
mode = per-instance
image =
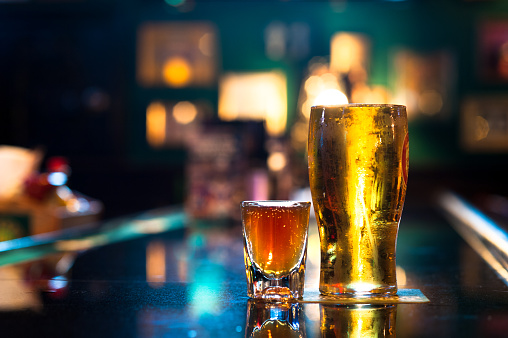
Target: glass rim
{"type": "Point", "coordinates": [348, 105]}
{"type": "Point", "coordinates": [276, 203]}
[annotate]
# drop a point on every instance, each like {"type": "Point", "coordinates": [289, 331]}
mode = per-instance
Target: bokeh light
{"type": "Point", "coordinates": [177, 72]}
{"type": "Point", "coordinates": [184, 112]}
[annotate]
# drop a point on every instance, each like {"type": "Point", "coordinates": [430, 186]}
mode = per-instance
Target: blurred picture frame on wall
{"type": "Point", "coordinates": [492, 51]}
{"type": "Point", "coordinates": [177, 54]}
{"type": "Point", "coordinates": [484, 123]}
{"type": "Point", "coordinates": [425, 82]}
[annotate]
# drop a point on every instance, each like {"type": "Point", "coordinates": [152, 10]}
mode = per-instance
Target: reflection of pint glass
{"type": "Point", "coordinates": [271, 319]}
{"type": "Point", "coordinates": [275, 247]}
{"type": "Point", "coordinates": [358, 320]}
{"type": "Point", "coordinates": [358, 161]}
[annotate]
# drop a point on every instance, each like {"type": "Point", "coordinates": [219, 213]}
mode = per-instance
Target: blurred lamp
{"type": "Point", "coordinates": [184, 112]}
{"type": "Point", "coordinates": [330, 97]}
{"type": "Point", "coordinates": [177, 72]}
{"type": "Point", "coordinates": [349, 52]}
{"type": "Point", "coordinates": [258, 96]}
{"type": "Point", "coordinates": [156, 124]}
{"type": "Point", "coordinates": [276, 161]}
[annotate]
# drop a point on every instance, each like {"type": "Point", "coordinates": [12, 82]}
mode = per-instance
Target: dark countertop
{"type": "Point", "coordinates": [141, 277]}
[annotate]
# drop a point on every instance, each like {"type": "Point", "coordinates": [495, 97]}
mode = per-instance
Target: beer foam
{"type": "Point", "coordinates": [276, 203]}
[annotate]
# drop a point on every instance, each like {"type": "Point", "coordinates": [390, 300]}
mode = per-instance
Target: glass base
{"type": "Point", "coordinates": [275, 319]}
{"type": "Point", "coordinates": [286, 287]}
{"type": "Point", "coordinates": [357, 290]}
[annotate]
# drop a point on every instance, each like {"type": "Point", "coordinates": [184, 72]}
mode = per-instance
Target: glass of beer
{"type": "Point", "coordinates": [358, 162]}
{"type": "Point", "coordinates": [275, 248]}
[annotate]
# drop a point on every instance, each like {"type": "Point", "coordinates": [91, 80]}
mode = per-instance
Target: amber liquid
{"type": "Point", "coordinates": [276, 237]}
{"type": "Point", "coordinates": [357, 179]}
{"type": "Point", "coordinates": [358, 321]}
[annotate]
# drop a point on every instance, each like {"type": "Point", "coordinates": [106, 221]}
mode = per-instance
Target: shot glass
{"type": "Point", "coordinates": [275, 248]}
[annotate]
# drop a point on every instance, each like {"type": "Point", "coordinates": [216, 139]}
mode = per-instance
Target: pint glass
{"type": "Point", "coordinates": [358, 162]}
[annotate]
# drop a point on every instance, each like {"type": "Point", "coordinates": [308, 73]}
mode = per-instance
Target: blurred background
{"type": "Point", "coordinates": [202, 103]}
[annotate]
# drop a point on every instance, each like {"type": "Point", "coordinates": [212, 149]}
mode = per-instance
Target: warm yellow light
{"type": "Point", "coordinates": [156, 124]}
{"type": "Point", "coordinates": [348, 51]}
{"type": "Point", "coordinates": [364, 93]}
{"type": "Point", "coordinates": [329, 80]}
{"type": "Point", "coordinates": [276, 161]}
{"type": "Point", "coordinates": [482, 128]}
{"type": "Point", "coordinates": [321, 88]}
{"type": "Point", "coordinates": [401, 276]}
{"type": "Point", "coordinates": [330, 97]}
{"type": "Point", "coordinates": [155, 263]}
{"type": "Point", "coordinates": [184, 112]}
{"type": "Point", "coordinates": [255, 96]}
{"type": "Point", "coordinates": [276, 115]}
{"type": "Point", "coordinates": [313, 85]}
{"type": "Point", "coordinates": [306, 106]}
{"type": "Point", "coordinates": [300, 131]}
{"type": "Point", "coordinates": [177, 72]}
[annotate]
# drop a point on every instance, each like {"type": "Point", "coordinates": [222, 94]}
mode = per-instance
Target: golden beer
{"type": "Point", "coordinates": [358, 320]}
{"type": "Point", "coordinates": [275, 247]}
{"type": "Point", "coordinates": [358, 174]}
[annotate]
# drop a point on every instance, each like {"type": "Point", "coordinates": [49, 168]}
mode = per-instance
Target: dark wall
{"type": "Point", "coordinates": [68, 84]}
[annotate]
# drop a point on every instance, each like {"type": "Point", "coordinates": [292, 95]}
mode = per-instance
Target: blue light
{"type": "Point", "coordinates": [57, 283]}
{"type": "Point", "coordinates": [57, 178]}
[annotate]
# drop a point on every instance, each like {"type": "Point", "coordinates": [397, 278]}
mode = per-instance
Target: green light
{"type": "Point", "coordinates": [175, 3]}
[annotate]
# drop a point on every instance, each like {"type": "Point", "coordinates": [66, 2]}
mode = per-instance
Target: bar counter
{"type": "Point", "coordinates": [162, 274]}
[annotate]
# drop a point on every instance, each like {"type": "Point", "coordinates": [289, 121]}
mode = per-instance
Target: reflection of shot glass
{"type": "Point", "coordinates": [358, 320]}
{"type": "Point", "coordinates": [274, 320]}
{"type": "Point", "coordinates": [275, 248]}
